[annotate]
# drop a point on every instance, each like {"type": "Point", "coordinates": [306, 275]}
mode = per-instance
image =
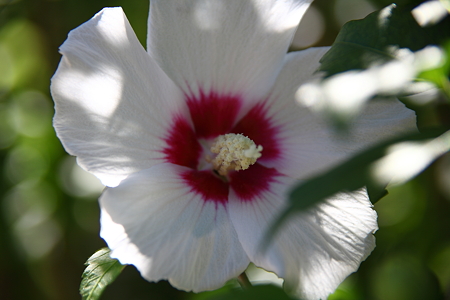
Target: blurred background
{"type": "Point", "coordinates": [49, 216]}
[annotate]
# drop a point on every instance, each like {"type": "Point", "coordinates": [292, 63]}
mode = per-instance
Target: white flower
{"type": "Point", "coordinates": [145, 123]}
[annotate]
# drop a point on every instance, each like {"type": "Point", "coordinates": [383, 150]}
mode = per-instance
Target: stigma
{"type": "Point", "coordinates": [234, 152]}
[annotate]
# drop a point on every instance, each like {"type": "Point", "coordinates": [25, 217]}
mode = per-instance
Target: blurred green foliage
{"type": "Point", "coordinates": [48, 210]}
{"type": "Point", "coordinates": [375, 39]}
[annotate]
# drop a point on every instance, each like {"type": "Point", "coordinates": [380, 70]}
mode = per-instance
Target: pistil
{"type": "Point", "coordinates": [234, 152]}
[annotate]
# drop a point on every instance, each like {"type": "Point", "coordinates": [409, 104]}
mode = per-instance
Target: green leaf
{"type": "Point", "coordinates": [258, 292]}
{"type": "Point", "coordinates": [375, 192]}
{"type": "Point", "coordinates": [375, 39]}
{"type": "Point", "coordinates": [348, 176]}
{"type": "Point", "coordinates": [101, 271]}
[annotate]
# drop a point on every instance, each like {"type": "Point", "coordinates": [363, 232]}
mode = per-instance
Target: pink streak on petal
{"type": "Point", "coordinates": [213, 114]}
{"type": "Point", "coordinates": [207, 185]}
{"type": "Point", "coordinates": [258, 127]}
{"type": "Point", "coordinates": [251, 183]}
{"type": "Point", "coordinates": [182, 146]}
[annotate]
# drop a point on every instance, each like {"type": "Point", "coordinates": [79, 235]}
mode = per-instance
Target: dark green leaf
{"type": "Point", "coordinates": [258, 292]}
{"type": "Point", "coordinates": [374, 39]}
{"type": "Point", "coordinates": [375, 191]}
{"type": "Point", "coordinates": [101, 271]}
{"type": "Point", "coordinates": [348, 176]}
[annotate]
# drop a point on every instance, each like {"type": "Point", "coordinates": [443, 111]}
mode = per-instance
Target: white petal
{"type": "Point", "coordinates": [153, 221]}
{"type": "Point", "coordinates": [317, 248]}
{"type": "Point", "coordinates": [430, 12]}
{"type": "Point", "coordinates": [405, 160]}
{"type": "Point", "coordinates": [231, 47]}
{"type": "Point", "coordinates": [113, 102]}
{"type": "Point", "coordinates": [309, 145]}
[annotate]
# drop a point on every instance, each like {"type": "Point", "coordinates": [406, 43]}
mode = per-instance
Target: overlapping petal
{"type": "Point", "coordinates": [318, 248]}
{"type": "Point", "coordinates": [155, 221]}
{"type": "Point", "coordinates": [114, 104]}
{"type": "Point", "coordinates": [233, 47]}
{"type": "Point", "coordinates": [308, 143]}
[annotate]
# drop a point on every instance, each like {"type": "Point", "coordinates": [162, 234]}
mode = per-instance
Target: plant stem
{"type": "Point", "coordinates": [243, 281]}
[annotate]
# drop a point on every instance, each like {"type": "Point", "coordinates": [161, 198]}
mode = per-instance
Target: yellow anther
{"type": "Point", "coordinates": [234, 152]}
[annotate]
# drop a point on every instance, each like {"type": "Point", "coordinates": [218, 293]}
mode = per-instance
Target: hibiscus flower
{"type": "Point", "coordinates": [199, 139]}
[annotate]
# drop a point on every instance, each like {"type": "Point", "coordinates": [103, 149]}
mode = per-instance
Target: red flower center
{"type": "Point", "coordinates": [214, 115]}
